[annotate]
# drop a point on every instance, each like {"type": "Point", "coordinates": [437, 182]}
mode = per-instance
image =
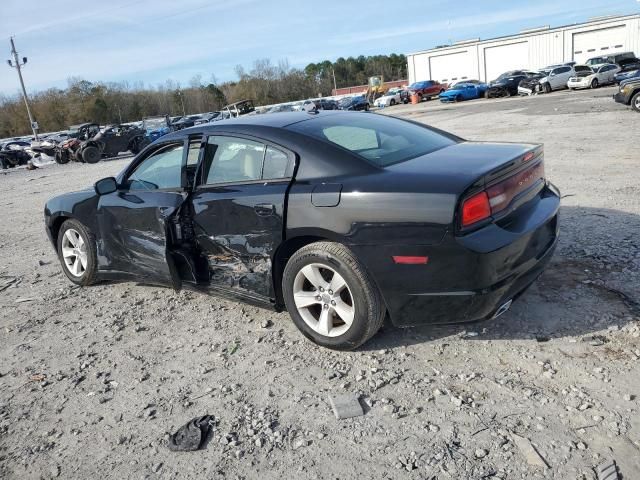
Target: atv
{"type": "Point", "coordinates": [68, 149]}
{"type": "Point", "coordinates": [111, 141]}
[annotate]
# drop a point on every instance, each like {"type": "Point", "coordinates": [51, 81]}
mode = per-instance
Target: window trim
{"type": "Point", "coordinates": [290, 171]}
{"type": "Point", "coordinates": [122, 185]}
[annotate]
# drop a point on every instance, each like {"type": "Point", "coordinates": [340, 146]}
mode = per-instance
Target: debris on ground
{"type": "Point", "coordinates": [529, 451]}
{"type": "Point", "coordinates": [192, 435]}
{"type": "Point", "coordinates": [346, 406]}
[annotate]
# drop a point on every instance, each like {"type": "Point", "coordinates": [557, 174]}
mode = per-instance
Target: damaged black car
{"type": "Point", "coordinates": [340, 218]}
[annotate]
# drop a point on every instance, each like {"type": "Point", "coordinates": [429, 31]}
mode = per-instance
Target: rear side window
{"type": "Point", "coordinates": [275, 164]}
{"type": "Point", "coordinates": [380, 140]}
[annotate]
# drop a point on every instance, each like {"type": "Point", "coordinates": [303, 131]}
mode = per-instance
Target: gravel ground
{"type": "Point", "coordinates": [93, 379]}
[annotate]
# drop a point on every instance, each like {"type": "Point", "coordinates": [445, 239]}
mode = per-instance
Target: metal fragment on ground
{"type": "Point", "coordinates": [529, 451]}
{"type": "Point", "coordinates": [346, 406]}
{"type": "Point", "coordinates": [608, 471]}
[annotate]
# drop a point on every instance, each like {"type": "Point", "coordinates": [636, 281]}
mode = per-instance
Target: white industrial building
{"type": "Point", "coordinates": [530, 49]}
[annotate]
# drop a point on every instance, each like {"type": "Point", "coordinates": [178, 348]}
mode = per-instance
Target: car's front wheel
{"type": "Point", "coordinates": [77, 252]}
{"type": "Point", "coordinates": [594, 83]}
{"type": "Point", "coordinates": [331, 297]}
{"type": "Point", "coordinates": [635, 102]}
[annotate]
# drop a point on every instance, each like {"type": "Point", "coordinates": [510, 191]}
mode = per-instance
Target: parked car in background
{"type": "Point", "coordinates": [622, 76]}
{"type": "Point", "coordinates": [629, 64]}
{"type": "Point", "coordinates": [280, 108]}
{"type": "Point", "coordinates": [464, 91]}
{"type": "Point", "coordinates": [554, 77]}
{"type": "Point", "coordinates": [207, 117]}
{"type": "Point", "coordinates": [427, 89]}
{"type": "Point", "coordinates": [156, 127]}
{"type": "Point", "coordinates": [238, 109]}
{"type": "Point", "coordinates": [13, 153]}
{"type": "Point", "coordinates": [588, 77]}
{"type": "Point", "coordinates": [507, 84]}
{"type": "Point", "coordinates": [629, 93]}
{"type": "Point", "coordinates": [416, 225]}
{"type": "Point", "coordinates": [185, 122]}
{"type": "Point", "coordinates": [321, 104]}
{"type": "Point", "coordinates": [354, 103]}
{"type": "Point", "coordinates": [393, 97]}
{"type": "Point", "coordinates": [614, 58]}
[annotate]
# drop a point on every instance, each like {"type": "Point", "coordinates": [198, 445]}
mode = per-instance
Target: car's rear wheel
{"type": "Point", "coordinates": [77, 252]}
{"type": "Point", "coordinates": [635, 102]}
{"type": "Point", "coordinates": [594, 83]}
{"type": "Point", "coordinates": [458, 98]}
{"type": "Point", "coordinates": [547, 88]}
{"type": "Point", "coordinates": [331, 297]}
{"type": "Point", "coordinates": [91, 154]}
{"type": "Point", "coordinates": [392, 102]}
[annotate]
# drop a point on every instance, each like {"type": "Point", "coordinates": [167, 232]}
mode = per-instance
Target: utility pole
{"type": "Point", "coordinates": [34, 124]}
{"type": "Point", "coordinates": [335, 87]}
{"type": "Point", "coordinates": [119, 113]}
{"type": "Point", "coordinates": [182, 102]}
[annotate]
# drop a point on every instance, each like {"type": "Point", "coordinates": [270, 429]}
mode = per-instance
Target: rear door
{"type": "Point", "coordinates": [239, 212]}
{"type": "Point", "coordinates": [135, 221]}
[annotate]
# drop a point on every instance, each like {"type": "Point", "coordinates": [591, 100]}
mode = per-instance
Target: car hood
{"type": "Point", "coordinates": [451, 93]}
{"type": "Point", "coordinates": [455, 168]}
{"type": "Point", "coordinates": [582, 74]}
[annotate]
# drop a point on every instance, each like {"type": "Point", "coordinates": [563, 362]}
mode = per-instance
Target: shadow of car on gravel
{"type": "Point", "coordinates": [585, 289]}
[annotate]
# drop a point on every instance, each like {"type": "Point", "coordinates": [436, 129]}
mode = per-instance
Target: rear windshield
{"type": "Point", "coordinates": [378, 139]}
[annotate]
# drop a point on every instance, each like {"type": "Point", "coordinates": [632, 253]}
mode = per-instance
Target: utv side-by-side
{"type": "Point", "coordinates": [88, 144]}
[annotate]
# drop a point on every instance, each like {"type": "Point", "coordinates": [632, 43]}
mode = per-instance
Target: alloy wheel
{"type": "Point", "coordinates": [636, 103]}
{"type": "Point", "coordinates": [74, 252]}
{"type": "Point", "coordinates": [323, 300]}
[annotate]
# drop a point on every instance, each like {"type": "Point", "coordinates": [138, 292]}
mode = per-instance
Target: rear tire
{"type": "Point", "coordinates": [62, 157]}
{"type": "Point", "coordinates": [90, 154]}
{"type": "Point", "coordinates": [392, 102]}
{"type": "Point", "coordinates": [309, 302]}
{"type": "Point", "coordinates": [77, 253]}
{"type": "Point", "coordinates": [635, 102]}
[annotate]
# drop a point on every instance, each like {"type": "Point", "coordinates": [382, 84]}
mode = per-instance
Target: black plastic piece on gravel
{"type": "Point", "coordinates": [191, 436]}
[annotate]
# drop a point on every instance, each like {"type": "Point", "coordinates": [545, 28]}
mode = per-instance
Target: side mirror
{"type": "Point", "coordinates": [106, 186]}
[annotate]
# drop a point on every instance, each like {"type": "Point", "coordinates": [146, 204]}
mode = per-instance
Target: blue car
{"type": "Point", "coordinates": [467, 90]}
{"type": "Point", "coordinates": [156, 127]}
{"type": "Point", "coordinates": [621, 77]}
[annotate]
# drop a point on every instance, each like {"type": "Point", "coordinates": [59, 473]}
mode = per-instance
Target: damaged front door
{"type": "Point", "coordinates": [135, 220]}
{"type": "Point", "coordinates": [238, 211]}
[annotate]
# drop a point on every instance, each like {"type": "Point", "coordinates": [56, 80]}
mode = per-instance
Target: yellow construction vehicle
{"type": "Point", "coordinates": [375, 88]}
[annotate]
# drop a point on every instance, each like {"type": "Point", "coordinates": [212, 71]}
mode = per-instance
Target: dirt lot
{"type": "Point", "coordinates": [92, 379]}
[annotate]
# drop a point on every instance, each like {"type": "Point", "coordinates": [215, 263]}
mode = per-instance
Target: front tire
{"type": "Point", "coordinates": [77, 252]}
{"type": "Point", "coordinates": [331, 297]}
{"type": "Point", "coordinates": [91, 154]}
{"type": "Point", "coordinates": [594, 83]}
{"type": "Point", "coordinates": [547, 88]}
{"type": "Point", "coordinates": [635, 102]}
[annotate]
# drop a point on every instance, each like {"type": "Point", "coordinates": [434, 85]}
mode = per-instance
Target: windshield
{"type": "Point", "coordinates": [154, 123]}
{"type": "Point", "coordinates": [596, 61]}
{"type": "Point", "coordinates": [380, 140]}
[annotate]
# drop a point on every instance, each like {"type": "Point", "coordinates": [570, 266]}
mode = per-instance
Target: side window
{"type": "Point", "coordinates": [232, 159]}
{"type": "Point", "coordinates": [194, 151]}
{"type": "Point", "coordinates": [275, 164]}
{"type": "Point", "coordinates": [161, 170]}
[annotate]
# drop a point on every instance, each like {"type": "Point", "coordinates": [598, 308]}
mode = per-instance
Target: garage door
{"type": "Point", "coordinates": [502, 58]}
{"type": "Point", "coordinates": [598, 42]}
{"type": "Point", "coordinates": [453, 67]}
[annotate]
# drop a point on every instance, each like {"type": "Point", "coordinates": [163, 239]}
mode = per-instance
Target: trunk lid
{"type": "Point", "coordinates": [466, 165]}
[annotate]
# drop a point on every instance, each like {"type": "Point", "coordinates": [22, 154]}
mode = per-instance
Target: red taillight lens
{"type": "Point", "coordinates": [475, 208]}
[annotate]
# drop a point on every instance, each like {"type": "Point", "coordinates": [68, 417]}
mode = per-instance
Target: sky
{"type": "Point", "coordinates": [151, 41]}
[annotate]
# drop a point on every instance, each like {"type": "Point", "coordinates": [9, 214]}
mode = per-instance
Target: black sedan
{"type": "Point", "coordinates": [354, 103]}
{"type": "Point", "coordinates": [339, 218]}
{"type": "Point", "coordinates": [507, 84]}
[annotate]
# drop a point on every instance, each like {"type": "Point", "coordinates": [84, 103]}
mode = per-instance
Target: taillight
{"type": "Point", "coordinates": [475, 208]}
{"type": "Point", "coordinates": [497, 197]}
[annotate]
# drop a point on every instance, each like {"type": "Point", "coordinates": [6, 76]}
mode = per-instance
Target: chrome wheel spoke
{"type": "Point", "coordinates": [312, 273]}
{"type": "Point", "coordinates": [337, 283]}
{"type": "Point", "coordinates": [305, 299]}
{"type": "Point", "coordinates": [75, 267]}
{"type": "Point", "coordinates": [68, 252]}
{"type": "Point", "coordinates": [73, 240]}
{"type": "Point", "coordinates": [324, 322]}
{"type": "Point", "coordinates": [344, 311]}
{"type": "Point", "coordinates": [74, 252]}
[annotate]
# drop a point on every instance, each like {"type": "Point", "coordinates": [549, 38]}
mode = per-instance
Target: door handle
{"type": "Point", "coordinates": [265, 209]}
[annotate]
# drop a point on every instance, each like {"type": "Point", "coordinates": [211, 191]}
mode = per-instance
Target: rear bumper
{"type": "Point", "coordinates": [467, 278]}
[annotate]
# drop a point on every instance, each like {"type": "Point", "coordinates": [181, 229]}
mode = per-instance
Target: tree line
{"type": "Point", "coordinates": [265, 83]}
